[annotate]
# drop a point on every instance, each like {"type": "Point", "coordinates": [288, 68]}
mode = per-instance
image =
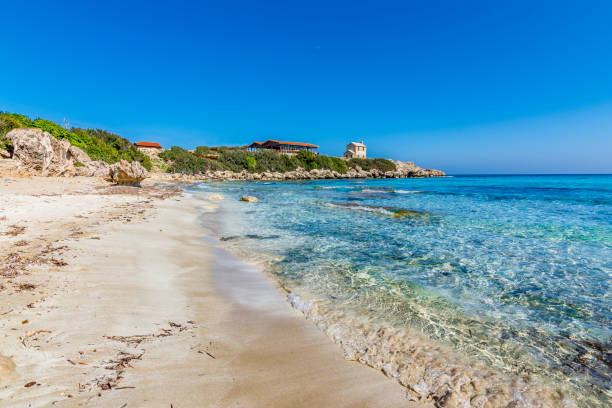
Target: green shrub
{"type": "Point", "coordinates": [307, 160]}
{"type": "Point", "coordinates": [201, 151]}
{"type": "Point", "coordinates": [250, 162]}
{"type": "Point", "coordinates": [78, 164]}
{"type": "Point", "coordinates": [10, 121]}
{"type": "Point", "coordinates": [6, 144]}
{"type": "Point", "coordinates": [339, 165]}
{"type": "Point", "coordinates": [234, 160]}
{"type": "Point", "coordinates": [182, 161]}
{"type": "Point", "coordinates": [271, 161]}
{"type": "Point", "coordinates": [369, 164]}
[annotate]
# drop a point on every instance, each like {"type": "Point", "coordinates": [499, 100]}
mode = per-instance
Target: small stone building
{"type": "Point", "coordinates": [355, 150]}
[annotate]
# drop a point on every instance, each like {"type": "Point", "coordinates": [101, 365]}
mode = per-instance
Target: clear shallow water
{"type": "Point", "coordinates": [514, 273]}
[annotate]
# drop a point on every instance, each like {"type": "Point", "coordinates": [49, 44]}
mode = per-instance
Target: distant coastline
{"type": "Point", "coordinates": [42, 147]}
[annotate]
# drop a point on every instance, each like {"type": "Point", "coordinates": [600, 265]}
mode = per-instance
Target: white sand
{"type": "Point", "coordinates": [143, 306]}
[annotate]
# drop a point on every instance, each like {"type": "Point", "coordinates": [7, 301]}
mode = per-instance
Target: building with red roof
{"type": "Point", "coordinates": [150, 145]}
{"type": "Point", "coordinates": [283, 147]}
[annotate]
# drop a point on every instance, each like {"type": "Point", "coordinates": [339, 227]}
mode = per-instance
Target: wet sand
{"type": "Point", "coordinates": [138, 308]}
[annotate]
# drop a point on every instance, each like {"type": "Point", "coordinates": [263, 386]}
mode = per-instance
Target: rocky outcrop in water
{"type": "Point", "coordinates": [409, 169]}
{"type": "Point", "coordinates": [126, 173]}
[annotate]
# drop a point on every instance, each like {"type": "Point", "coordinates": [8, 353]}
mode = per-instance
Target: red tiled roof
{"type": "Point", "coordinates": [291, 143]}
{"type": "Point", "coordinates": [148, 144]}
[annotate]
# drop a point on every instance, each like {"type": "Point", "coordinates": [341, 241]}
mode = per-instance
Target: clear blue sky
{"type": "Point", "coordinates": [465, 86]}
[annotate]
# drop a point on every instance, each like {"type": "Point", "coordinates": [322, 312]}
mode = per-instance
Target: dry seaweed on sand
{"type": "Point", "coordinates": [14, 230]}
{"type": "Point", "coordinates": [25, 286]}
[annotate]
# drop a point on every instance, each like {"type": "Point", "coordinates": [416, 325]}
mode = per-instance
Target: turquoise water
{"type": "Point", "coordinates": [512, 272]}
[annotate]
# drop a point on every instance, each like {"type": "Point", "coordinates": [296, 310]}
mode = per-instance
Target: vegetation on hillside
{"type": "Point", "coordinates": [109, 147]}
{"type": "Point", "coordinates": [370, 164]}
{"type": "Point", "coordinates": [98, 144]}
{"type": "Point", "coordinates": [185, 162]}
{"type": "Point", "coordinates": [235, 159]}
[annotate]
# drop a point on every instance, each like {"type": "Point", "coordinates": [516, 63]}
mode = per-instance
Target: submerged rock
{"type": "Point", "coordinates": [408, 213]}
{"type": "Point", "coordinates": [249, 199]}
{"type": "Point", "coordinates": [215, 197]}
{"type": "Point", "coordinates": [126, 173]}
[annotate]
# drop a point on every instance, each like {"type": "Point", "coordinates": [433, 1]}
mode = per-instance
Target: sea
{"type": "Point", "coordinates": [468, 290]}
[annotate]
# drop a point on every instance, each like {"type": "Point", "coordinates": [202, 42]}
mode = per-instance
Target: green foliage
{"type": "Point", "coordinates": [369, 164]}
{"type": "Point", "coordinates": [331, 163]}
{"type": "Point", "coordinates": [182, 161]}
{"type": "Point", "coordinates": [10, 121]}
{"type": "Point", "coordinates": [271, 161]}
{"type": "Point", "coordinates": [121, 147]}
{"type": "Point", "coordinates": [98, 144]}
{"type": "Point", "coordinates": [233, 160]}
{"type": "Point", "coordinates": [201, 151]}
{"type": "Point", "coordinates": [78, 164]}
{"type": "Point", "coordinates": [6, 144]}
{"type": "Point", "coordinates": [259, 161]}
{"type": "Point", "coordinates": [307, 160]}
{"type": "Point", "coordinates": [250, 162]}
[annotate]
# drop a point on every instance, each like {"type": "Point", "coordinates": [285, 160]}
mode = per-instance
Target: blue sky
{"type": "Point", "coordinates": [465, 86]}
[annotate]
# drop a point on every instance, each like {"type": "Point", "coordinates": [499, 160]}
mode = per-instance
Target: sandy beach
{"type": "Point", "coordinates": [111, 296]}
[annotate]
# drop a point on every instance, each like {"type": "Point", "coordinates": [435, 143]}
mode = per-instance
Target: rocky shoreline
{"type": "Point", "coordinates": [404, 170]}
{"type": "Point", "coordinates": [36, 152]}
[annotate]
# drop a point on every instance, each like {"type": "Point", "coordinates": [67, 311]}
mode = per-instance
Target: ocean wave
{"type": "Point", "coordinates": [376, 191]}
{"type": "Point", "coordinates": [248, 236]}
{"type": "Point", "coordinates": [429, 370]}
{"type": "Point", "coordinates": [409, 191]}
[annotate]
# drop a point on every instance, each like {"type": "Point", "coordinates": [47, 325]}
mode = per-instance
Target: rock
{"type": "Point", "coordinates": [4, 154]}
{"type": "Point", "coordinates": [82, 171]}
{"type": "Point", "coordinates": [215, 197]}
{"type": "Point", "coordinates": [40, 151]}
{"type": "Point", "coordinates": [97, 168]}
{"type": "Point", "coordinates": [61, 164]}
{"type": "Point", "coordinates": [127, 173]}
{"type": "Point", "coordinates": [78, 155]}
{"type": "Point", "coordinates": [409, 169]}
{"type": "Point", "coordinates": [249, 199]}
{"type": "Point", "coordinates": [32, 147]}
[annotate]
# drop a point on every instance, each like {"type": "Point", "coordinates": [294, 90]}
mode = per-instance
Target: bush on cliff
{"type": "Point", "coordinates": [112, 147]}
{"type": "Point", "coordinates": [383, 165]}
{"type": "Point", "coordinates": [184, 162]}
{"type": "Point", "coordinates": [271, 161]}
{"type": "Point", "coordinates": [201, 151]}
{"type": "Point", "coordinates": [98, 144]}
